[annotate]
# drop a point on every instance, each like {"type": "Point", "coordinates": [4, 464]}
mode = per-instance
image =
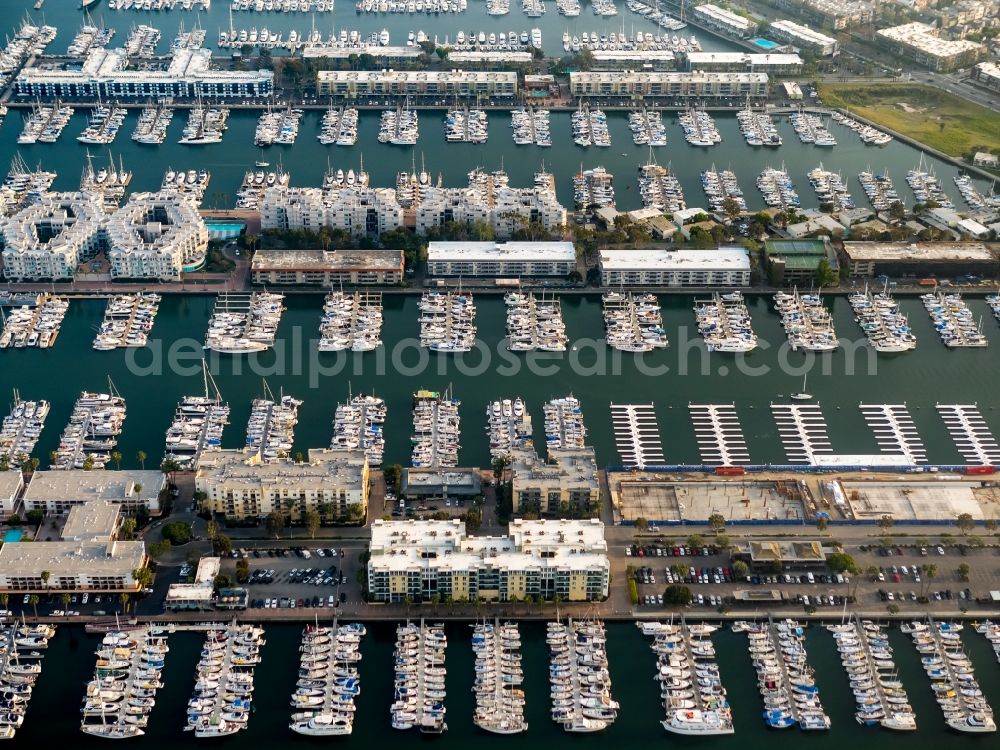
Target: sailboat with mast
{"type": "Point", "coordinates": [198, 424]}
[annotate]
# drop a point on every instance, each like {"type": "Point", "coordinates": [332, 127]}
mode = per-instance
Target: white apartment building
{"type": "Point", "coordinates": [358, 210]}
{"type": "Point", "coordinates": [97, 567]}
{"type": "Point", "coordinates": [700, 84]}
{"type": "Point", "coordinates": [921, 43]}
{"type": "Point", "coordinates": [427, 560]}
{"type": "Point", "coordinates": [155, 236]}
{"type": "Point", "coordinates": [725, 21]}
{"type": "Point", "coordinates": [58, 492]}
{"type": "Point", "coordinates": [500, 259]}
{"type": "Point", "coordinates": [108, 73]}
{"type": "Point", "coordinates": [724, 267]}
{"type": "Point", "coordinates": [417, 84]}
{"type": "Point", "coordinates": [803, 36]}
{"type": "Point", "coordinates": [50, 238]}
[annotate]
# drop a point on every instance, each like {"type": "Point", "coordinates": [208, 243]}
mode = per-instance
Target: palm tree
{"type": "Point", "coordinates": [53, 457]}
{"type": "Point", "coordinates": [123, 598]}
{"type": "Point", "coordinates": [116, 456]}
{"type": "Point", "coordinates": [45, 577]}
{"type": "Point", "coordinates": [33, 601]}
{"type": "Point", "coordinates": [4, 599]}
{"type": "Point", "coordinates": [65, 598]}
{"type": "Point", "coordinates": [141, 458]}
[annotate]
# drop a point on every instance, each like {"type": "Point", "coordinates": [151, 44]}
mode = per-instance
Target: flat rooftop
{"type": "Point", "coordinates": [727, 259]}
{"type": "Point", "coordinates": [745, 58]}
{"type": "Point", "coordinates": [918, 251]}
{"type": "Point", "coordinates": [80, 485]}
{"type": "Point", "coordinates": [327, 260]}
{"type": "Point", "coordinates": [10, 484]}
{"type": "Point", "coordinates": [94, 559]}
{"type": "Point", "coordinates": [500, 251]}
{"type": "Point", "coordinates": [663, 501]}
{"type": "Point", "coordinates": [909, 501]}
{"type": "Point", "coordinates": [93, 521]}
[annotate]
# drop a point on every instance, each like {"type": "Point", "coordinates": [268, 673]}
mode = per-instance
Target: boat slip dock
{"type": "Point", "coordinates": [718, 434]}
{"type": "Point", "coordinates": [637, 435]}
{"type": "Point", "coordinates": [894, 431]}
{"type": "Point", "coordinates": [802, 431]}
{"type": "Point", "coordinates": [972, 438]}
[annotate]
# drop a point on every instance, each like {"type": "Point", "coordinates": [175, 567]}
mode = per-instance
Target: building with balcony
{"type": "Point", "coordinates": [804, 37]}
{"type": "Point", "coordinates": [58, 492]}
{"type": "Point", "coordinates": [921, 43]}
{"type": "Point", "coordinates": [724, 267]}
{"type": "Point", "coordinates": [438, 561]}
{"type": "Point", "coordinates": [567, 482]}
{"type": "Point", "coordinates": [417, 85]}
{"type": "Point", "coordinates": [501, 259]}
{"type": "Point", "coordinates": [327, 268]}
{"type": "Point", "coordinates": [631, 84]}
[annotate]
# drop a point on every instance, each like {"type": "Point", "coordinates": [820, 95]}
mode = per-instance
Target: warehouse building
{"type": "Point", "coordinates": [804, 37]}
{"type": "Point", "coordinates": [922, 259]}
{"type": "Point", "coordinates": [58, 492]}
{"type": "Point", "coordinates": [724, 267]}
{"type": "Point", "coordinates": [437, 561]}
{"type": "Point", "coordinates": [725, 21]}
{"type": "Point", "coordinates": [921, 43]}
{"type": "Point", "coordinates": [668, 85]}
{"type": "Point", "coordinates": [500, 259]}
{"type": "Point", "coordinates": [238, 485]}
{"type": "Point", "coordinates": [327, 268]}
{"type": "Point", "coordinates": [417, 84]}
{"type": "Point", "coordinates": [110, 75]}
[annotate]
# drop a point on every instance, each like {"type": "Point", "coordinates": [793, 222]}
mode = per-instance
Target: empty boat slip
{"type": "Point", "coordinates": [637, 436]}
{"type": "Point", "coordinates": [802, 430]}
{"type": "Point", "coordinates": [718, 434]}
{"type": "Point", "coordinates": [972, 438]}
{"type": "Point", "coordinates": [894, 431]}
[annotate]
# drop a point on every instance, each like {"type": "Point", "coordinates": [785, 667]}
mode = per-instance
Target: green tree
{"type": "Point", "coordinates": [242, 570]}
{"type": "Point", "coordinates": [116, 456]}
{"type": "Point", "coordinates": [963, 571]}
{"type": "Point", "coordinates": [35, 517]}
{"type": "Point", "coordinates": [313, 522]}
{"type": "Point", "coordinates": [4, 599]}
{"type": "Point", "coordinates": [45, 577]}
{"type": "Point", "coordinates": [696, 540]}
{"type": "Point", "coordinates": [33, 601]}
{"type": "Point", "coordinates": [53, 457]}
{"type": "Point", "coordinates": [88, 462]}
{"type": "Point", "coordinates": [641, 524]}
{"type": "Point", "coordinates": [965, 522]}
{"type": "Point", "coordinates": [886, 522]}
{"type": "Point", "coordinates": [841, 562]}
{"type": "Point", "coordinates": [65, 598]}
{"type": "Point", "coordinates": [123, 598]}
{"type": "Point", "coordinates": [160, 548]}
{"type": "Point", "coordinates": [740, 569]}
{"type": "Point", "coordinates": [170, 468]}
{"type": "Point", "coordinates": [222, 545]}
{"type": "Point", "coordinates": [825, 275]}
{"type": "Point", "coordinates": [717, 523]}
{"type": "Point", "coordinates": [176, 532]}
{"type": "Point", "coordinates": [143, 576]}
{"type": "Point", "coordinates": [141, 457]}
{"type": "Point", "coordinates": [128, 527]}
{"type": "Point", "coordinates": [990, 524]}
{"type": "Point", "coordinates": [275, 522]}
{"type": "Point", "coordinates": [930, 573]}
{"type": "Point", "coordinates": [677, 595]}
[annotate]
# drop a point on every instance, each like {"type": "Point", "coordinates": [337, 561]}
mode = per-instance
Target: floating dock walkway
{"type": "Point", "coordinates": [637, 435]}
{"type": "Point", "coordinates": [719, 435]}
{"type": "Point", "coordinates": [971, 436]}
{"type": "Point", "coordinates": [802, 431]}
{"type": "Point", "coordinates": [894, 431]}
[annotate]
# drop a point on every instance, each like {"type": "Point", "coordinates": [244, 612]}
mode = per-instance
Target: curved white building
{"type": "Point", "coordinates": [155, 235]}
{"type": "Point", "coordinates": [50, 238]}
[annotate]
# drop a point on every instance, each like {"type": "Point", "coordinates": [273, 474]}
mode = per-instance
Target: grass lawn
{"type": "Point", "coordinates": [941, 120]}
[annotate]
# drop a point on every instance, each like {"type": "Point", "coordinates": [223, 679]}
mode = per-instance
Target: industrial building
{"type": "Point", "coordinates": [57, 492]}
{"type": "Point", "coordinates": [668, 85]}
{"type": "Point", "coordinates": [804, 37]}
{"type": "Point", "coordinates": [500, 259]}
{"type": "Point", "coordinates": [921, 43]}
{"type": "Point", "coordinates": [238, 485]}
{"type": "Point", "coordinates": [897, 259]}
{"type": "Point", "coordinates": [437, 561]}
{"type": "Point", "coordinates": [417, 84]}
{"type": "Point", "coordinates": [327, 268]}
{"type": "Point", "coordinates": [111, 75]}
{"type": "Point", "coordinates": [567, 482]}
{"type": "Point", "coordinates": [724, 267]}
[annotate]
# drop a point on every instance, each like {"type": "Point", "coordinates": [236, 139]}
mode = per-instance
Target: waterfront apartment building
{"type": "Point", "coordinates": [111, 75]}
{"type": "Point", "coordinates": [922, 44]}
{"type": "Point", "coordinates": [11, 484]}
{"type": "Point", "coordinates": [239, 485]}
{"type": "Point", "coordinates": [50, 238]}
{"type": "Point", "coordinates": [725, 21]}
{"type": "Point", "coordinates": [58, 492]}
{"type": "Point", "coordinates": [360, 210]}
{"type": "Point", "coordinates": [834, 14]}
{"type": "Point", "coordinates": [682, 85]}
{"type": "Point", "coordinates": [417, 84]}
{"type": "Point", "coordinates": [923, 259]}
{"type": "Point", "coordinates": [155, 236]}
{"type": "Point", "coordinates": [69, 566]}
{"type": "Point", "coordinates": [327, 268]}
{"type": "Point", "coordinates": [500, 259]}
{"type": "Point", "coordinates": [567, 482]}
{"type": "Point", "coordinates": [723, 267]}
{"type": "Point", "coordinates": [504, 208]}
{"type": "Point", "coordinates": [438, 561]}
{"type": "Point", "coordinates": [987, 74]}
{"type": "Point", "coordinates": [803, 36]}
{"type": "Point", "coordinates": [772, 63]}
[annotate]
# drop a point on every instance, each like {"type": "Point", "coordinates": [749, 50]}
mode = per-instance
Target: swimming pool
{"type": "Point", "coordinates": [764, 43]}
{"type": "Point", "coordinates": [12, 535]}
{"type": "Point", "coordinates": [224, 230]}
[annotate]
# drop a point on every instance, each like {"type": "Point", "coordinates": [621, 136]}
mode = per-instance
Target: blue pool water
{"type": "Point", "coordinates": [12, 535]}
{"type": "Point", "coordinates": [764, 43]}
{"type": "Point", "coordinates": [224, 230]}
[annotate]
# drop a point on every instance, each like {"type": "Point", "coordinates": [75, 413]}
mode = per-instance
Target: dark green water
{"type": "Point", "coordinates": [53, 717]}
{"type": "Point", "coordinates": [671, 379]}
{"type": "Point", "coordinates": [307, 159]}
